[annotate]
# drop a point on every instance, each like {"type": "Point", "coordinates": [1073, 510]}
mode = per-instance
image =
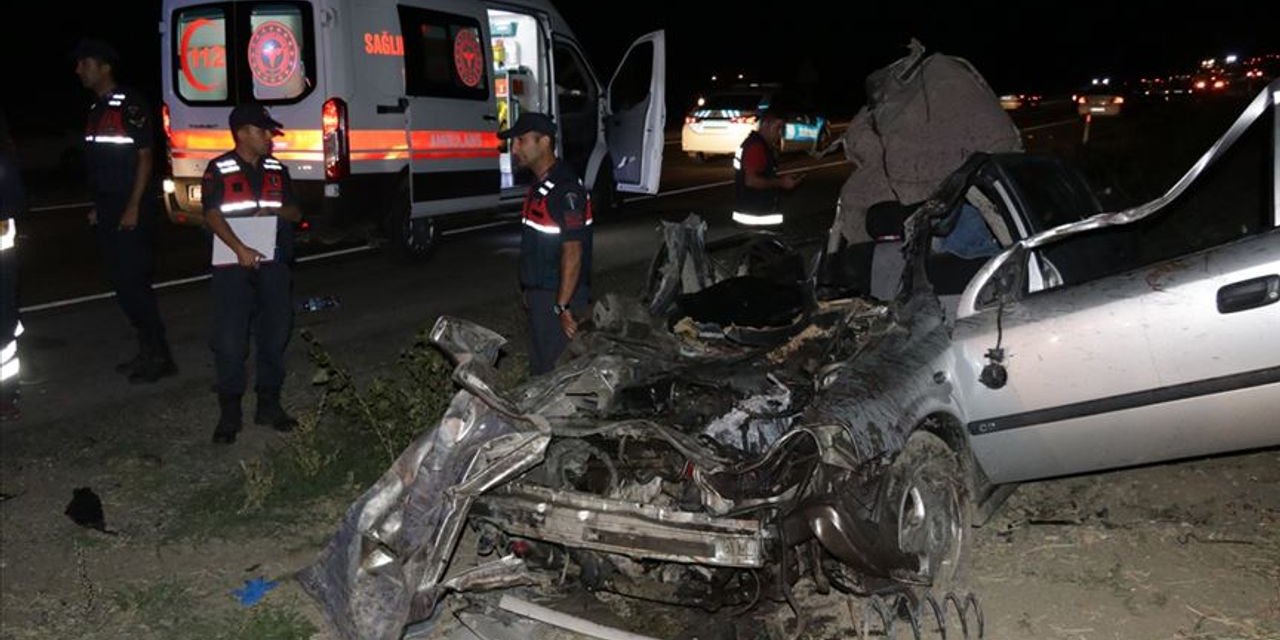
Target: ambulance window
{"type": "Point", "coordinates": [443, 55]}
{"type": "Point", "coordinates": [574, 87]}
{"type": "Point", "coordinates": [631, 86]}
{"type": "Point", "coordinates": [278, 53]}
{"type": "Point", "coordinates": [200, 49]}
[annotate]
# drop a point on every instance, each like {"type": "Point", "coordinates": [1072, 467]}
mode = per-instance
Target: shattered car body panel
{"type": "Point", "coordinates": [652, 444]}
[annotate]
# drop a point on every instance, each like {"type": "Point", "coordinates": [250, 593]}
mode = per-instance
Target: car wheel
{"type": "Point", "coordinates": [926, 493]}
{"type": "Point", "coordinates": [410, 239]}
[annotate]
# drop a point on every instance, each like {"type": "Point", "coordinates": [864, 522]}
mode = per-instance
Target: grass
{"type": "Point", "coordinates": [357, 429]}
{"type": "Point", "coordinates": [170, 609]}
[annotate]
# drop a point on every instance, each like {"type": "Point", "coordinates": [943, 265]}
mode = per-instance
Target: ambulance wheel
{"type": "Point", "coordinates": [409, 239]}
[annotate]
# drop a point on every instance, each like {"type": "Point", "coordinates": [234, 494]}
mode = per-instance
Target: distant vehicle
{"type": "Point", "coordinates": [1101, 97]}
{"type": "Point", "coordinates": [722, 120]}
{"type": "Point", "coordinates": [1016, 101]}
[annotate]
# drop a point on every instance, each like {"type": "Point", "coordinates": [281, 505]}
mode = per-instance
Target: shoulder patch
{"type": "Point", "coordinates": [136, 115]}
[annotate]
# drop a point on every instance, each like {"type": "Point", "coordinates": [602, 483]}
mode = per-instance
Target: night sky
{"type": "Point", "coordinates": [1022, 46]}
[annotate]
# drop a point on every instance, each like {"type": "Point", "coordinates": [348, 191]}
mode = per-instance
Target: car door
{"type": "Point", "coordinates": [1076, 362]}
{"type": "Point", "coordinates": [1211, 320]}
{"type": "Point", "coordinates": [636, 113]}
{"type": "Point", "coordinates": [451, 107]}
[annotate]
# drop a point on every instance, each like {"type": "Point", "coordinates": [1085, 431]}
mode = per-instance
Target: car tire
{"type": "Point", "coordinates": [410, 240]}
{"type": "Point", "coordinates": [926, 496]}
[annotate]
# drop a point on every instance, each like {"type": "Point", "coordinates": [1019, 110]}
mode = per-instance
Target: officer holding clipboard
{"type": "Point", "coordinates": [250, 208]}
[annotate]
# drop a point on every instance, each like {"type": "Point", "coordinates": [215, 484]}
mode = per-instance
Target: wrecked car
{"type": "Point", "coordinates": [736, 432]}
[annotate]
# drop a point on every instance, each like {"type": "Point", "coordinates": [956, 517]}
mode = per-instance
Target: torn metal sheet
{"type": "Point", "coordinates": [1256, 109]}
{"type": "Point", "coordinates": [503, 573]}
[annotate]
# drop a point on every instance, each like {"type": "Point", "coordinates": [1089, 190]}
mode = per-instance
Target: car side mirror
{"type": "Point", "coordinates": [1008, 282]}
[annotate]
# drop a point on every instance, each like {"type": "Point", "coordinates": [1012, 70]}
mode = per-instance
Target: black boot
{"type": "Point", "coordinates": [155, 363]}
{"type": "Point", "coordinates": [269, 412]}
{"type": "Point", "coordinates": [229, 420]}
{"type": "Point", "coordinates": [128, 366]}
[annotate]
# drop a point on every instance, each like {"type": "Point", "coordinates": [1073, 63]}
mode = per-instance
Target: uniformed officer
{"type": "Point", "coordinates": [555, 242]}
{"type": "Point", "coordinates": [119, 143]}
{"type": "Point", "coordinates": [12, 202]}
{"type": "Point", "coordinates": [757, 186]}
{"type": "Point", "coordinates": [253, 294]}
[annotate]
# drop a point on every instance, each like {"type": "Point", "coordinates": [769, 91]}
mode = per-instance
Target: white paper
{"type": "Point", "coordinates": [257, 232]}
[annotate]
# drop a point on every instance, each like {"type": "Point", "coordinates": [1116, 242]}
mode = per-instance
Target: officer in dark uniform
{"type": "Point", "coordinates": [12, 202]}
{"type": "Point", "coordinates": [555, 243]}
{"type": "Point", "coordinates": [119, 151]}
{"type": "Point", "coordinates": [253, 294]}
{"type": "Point", "coordinates": [757, 186]}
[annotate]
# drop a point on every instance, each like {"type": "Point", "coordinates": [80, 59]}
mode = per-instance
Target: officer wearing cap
{"type": "Point", "coordinates": [253, 294]}
{"type": "Point", "coordinates": [757, 186]}
{"type": "Point", "coordinates": [119, 152]}
{"type": "Point", "coordinates": [555, 241]}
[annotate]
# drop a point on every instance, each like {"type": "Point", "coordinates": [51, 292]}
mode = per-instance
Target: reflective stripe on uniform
{"type": "Point", "coordinates": [737, 159]}
{"type": "Point", "coordinates": [9, 351]}
{"type": "Point", "coordinates": [541, 228]}
{"type": "Point", "coordinates": [9, 369]}
{"type": "Point", "coordinates": [109, 139]}
{"type": "Point", "coordinates": [17, 333]}
{"type": "Point", "coordinates": [270, 203]}
{"type": "Point", "coordinates": [228, 167]}
{"type": "Point", "coordinates": [757, 219]}
{"type": "Point", "coordinates": [232, 207]}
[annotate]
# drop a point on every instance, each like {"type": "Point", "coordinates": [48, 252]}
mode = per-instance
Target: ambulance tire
{"type": "Point", "coordinates": [409, 240]}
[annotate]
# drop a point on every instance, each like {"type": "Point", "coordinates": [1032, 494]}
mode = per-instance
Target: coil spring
{"type": "Point", "coordinates": [881, 615]}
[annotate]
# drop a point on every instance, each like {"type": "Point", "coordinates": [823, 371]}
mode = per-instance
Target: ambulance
{"type": "Point", "coordinates": [391, 108]}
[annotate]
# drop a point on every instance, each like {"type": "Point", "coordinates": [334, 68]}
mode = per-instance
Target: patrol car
{"type": "Point", "coordinates": [391, 109]}
{"type": "Point", "coordinates": [723, 119]}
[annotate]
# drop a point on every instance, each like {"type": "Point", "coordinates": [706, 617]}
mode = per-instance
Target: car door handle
{"type": "Point", "coordinates": [400, 106]}
{"type": "Point", "coordinates": [1249, 294]}
{"type": "Point", "coordinates": [488, 117]}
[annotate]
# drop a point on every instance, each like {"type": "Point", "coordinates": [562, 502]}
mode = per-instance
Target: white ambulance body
{"type": "Point", "coordinates": [391, 107]}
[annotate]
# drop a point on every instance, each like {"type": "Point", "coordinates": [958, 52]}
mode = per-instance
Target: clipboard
{"type": "Point", "coordinates": [256, 232]}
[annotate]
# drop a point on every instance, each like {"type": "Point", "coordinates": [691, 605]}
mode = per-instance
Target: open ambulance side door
{"type": "Point", "coordinates": [636, 114]}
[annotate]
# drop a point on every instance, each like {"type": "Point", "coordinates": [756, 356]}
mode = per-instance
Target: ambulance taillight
{"type": "Point", "coordinates": [337, 156]}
